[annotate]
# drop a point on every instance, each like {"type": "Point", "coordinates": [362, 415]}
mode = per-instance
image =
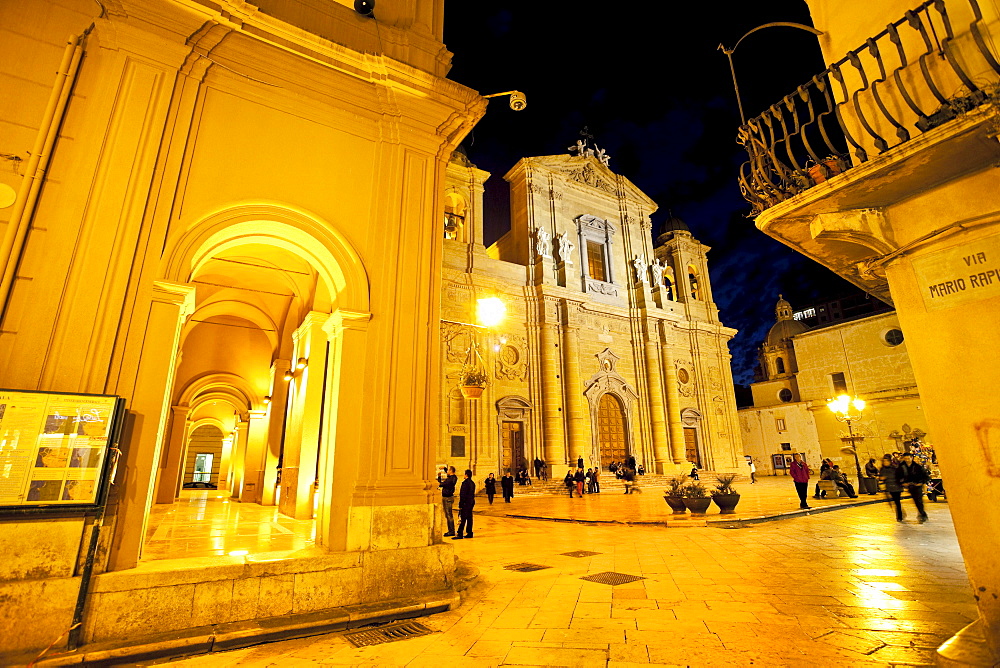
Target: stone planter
{"type": "Point", "coordinates": [697, 506]}
{"type": "Point", "coordinates": [726, 503]}
{"type": "Point", "coordinates": [676, 504]}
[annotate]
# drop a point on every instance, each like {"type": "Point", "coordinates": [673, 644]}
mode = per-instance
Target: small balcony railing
{"type": "Point", "coordinates": [913, 76]}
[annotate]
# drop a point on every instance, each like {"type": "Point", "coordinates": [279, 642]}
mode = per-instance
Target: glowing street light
{"type": "Point", "coordinates": [849, 409]}
{"type": "Point", "coordinates": [490, 311]}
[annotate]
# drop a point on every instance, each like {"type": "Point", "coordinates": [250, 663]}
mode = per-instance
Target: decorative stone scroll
{"type": "Point", "coordinates": [511, 361]}
{"type": "Point", "coordinates": [589, 176]}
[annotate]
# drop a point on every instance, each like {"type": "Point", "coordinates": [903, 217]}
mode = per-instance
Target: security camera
{"type": "Point", "coordinates": [517, 101]}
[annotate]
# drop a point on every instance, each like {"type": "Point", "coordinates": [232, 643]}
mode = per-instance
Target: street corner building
{"type": "Point", "coordinates": [228, 216]}
{"type": "Point", "coordinates": [883, 167]}
{"type": "Point", "coordinates": [612, 347]}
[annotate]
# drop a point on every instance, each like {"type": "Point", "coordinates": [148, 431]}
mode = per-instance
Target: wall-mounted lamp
{"type": "Point", "coordinates": [267, 400]}
{"type": "Point", "coordinates": [288, 375]}
{"type": "Point", "coordinates": [301, 364]}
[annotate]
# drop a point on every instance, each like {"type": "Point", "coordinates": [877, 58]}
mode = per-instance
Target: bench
{"type": "Point", "coordinates": [830, 487]}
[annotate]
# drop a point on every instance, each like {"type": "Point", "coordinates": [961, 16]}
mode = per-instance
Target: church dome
{"type": "Point", "coordinates": [786, 327]}
{"type": "Point", "coordinates": [670, 225]}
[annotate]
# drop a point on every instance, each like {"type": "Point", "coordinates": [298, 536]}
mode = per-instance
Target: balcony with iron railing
{"type": "Point", "coordinates": [934, 65]}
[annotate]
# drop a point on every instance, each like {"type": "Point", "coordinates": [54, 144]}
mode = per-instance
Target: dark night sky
{"type": "Point", "coordinates": [657, 95]}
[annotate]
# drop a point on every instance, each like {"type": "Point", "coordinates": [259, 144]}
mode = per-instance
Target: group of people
{"type": "Point", "coordinates": [447, 480]}
{"type": "Point", "coordinates": [898, 473]}
{"type": "Point", "coordinates": [619, 468]}
{"type": "Point", "coordinates": [575, 481]}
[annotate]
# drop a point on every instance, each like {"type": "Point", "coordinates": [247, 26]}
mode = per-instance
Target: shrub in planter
{"type": "Point", "coordinates": [675, 495]}
{"type": "Point", "coordinates": [473, 384]}
{"type": "Point", "coordinates": [696, 498]}
{"type": "Point", "coordinates": [724, 495]}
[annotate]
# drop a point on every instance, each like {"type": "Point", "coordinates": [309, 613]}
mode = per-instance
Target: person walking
{"type": "Point", "coordinates": [800, 476]}
{"type": "Point", "coordinates": [753, 471]}
{"type": "Point", "coordinates": [544, 470]}
{"type": "Point", "coordinates": [580, 478]}
{"type": "Point", "coordinates": [890, 480]}
{"type": "Point", "coordinates": [913, 476]}
{"type": "Point", "coordinates": [629, 477]}
{"type": "Point", "coordinates": [491, 487]}
{"type": "Point", "coordinates": [447, 486]}
{"type": "Point", "coordinates": [466, 502]}
{"type": "Point", "coordinates": [570, 482]}
{"type": "Point", "coordinates": [507, 486]}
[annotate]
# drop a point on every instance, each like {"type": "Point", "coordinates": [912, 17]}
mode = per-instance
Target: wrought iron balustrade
{"type": "Point", "coordinates": [913, 76]}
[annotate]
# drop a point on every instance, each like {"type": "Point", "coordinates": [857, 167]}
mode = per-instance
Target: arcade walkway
{"type": "Point", "coordinates": [846, 588]}
{"type": "Point", "coordinates": [207, 523]}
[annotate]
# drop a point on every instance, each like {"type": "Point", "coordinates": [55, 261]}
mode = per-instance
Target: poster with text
{"type": "Point", "coordinates": [53, 447]}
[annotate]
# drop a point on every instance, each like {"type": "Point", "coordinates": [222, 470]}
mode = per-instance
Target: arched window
{"type": "Point", "coordinates": [454, 216]}
{"type": "Point", "coordinates": [780, 363]}
{"type": "Point", "coordinates": [669, 281]}
{"type": "Point", "coordinates": [693, 280]}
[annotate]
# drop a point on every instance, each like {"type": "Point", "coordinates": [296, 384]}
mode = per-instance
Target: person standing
{"type": "Point", "coordinates": [753, 471]}
{"type": "Point", "coordinates": [491, 487]}
{"type": "Point", "coordinates": [590, 481]}
{"type": "Point", "coordinates": [579, 462]}
{"type": "Point", "coordinates": [597, 479]}
{"type": "Point", "coordinates": [570, 482]}
{"type": "Point", "coordinates": [890, 480]}
{"type": "Point", "coordinates": [544, 475]}
{"type": "Point", "coordinates": [447, 486]}
{"type": "Point", "coordinates": [538, 468]}
{"type": "Point", "coordinates": [507, 486]}
{"type": "Point", "coordinates": [913, 476]}
{"type": "Point", "coordinates": [580, 478]}
{"type": "Point", "coordinates": [466, 502]}
{"type": "Point", "coordinates": [800, 475]}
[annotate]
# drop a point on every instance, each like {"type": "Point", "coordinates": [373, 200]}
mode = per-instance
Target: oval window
{"type": "Point", "coordinates": [893, 337]}
{"type": "Point", "coordinates": [682, 375]}
{"type": "Point", "coordinates": [785, 395]}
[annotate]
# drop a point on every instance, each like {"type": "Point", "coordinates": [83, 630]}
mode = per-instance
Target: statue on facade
{"type": "Point", "coordinates": [543, 242]}
{"type": "Point", "coordinates": [640, 270]}
{"type": "Point", "coordinates": [603, 156]}
{"type": "Point", "coordinates": [657, 269]}
{"type": "Point", "coordinates": [565, 249]}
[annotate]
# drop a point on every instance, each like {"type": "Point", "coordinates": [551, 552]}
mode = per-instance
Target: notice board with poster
{"type": "Point", "coordinates": [55, 447]}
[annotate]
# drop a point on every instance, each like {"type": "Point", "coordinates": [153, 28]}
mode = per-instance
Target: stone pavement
{"type": "Point", "coordinates": [849, 588]}
{"type": "Point", "coordinates": [772, 497]}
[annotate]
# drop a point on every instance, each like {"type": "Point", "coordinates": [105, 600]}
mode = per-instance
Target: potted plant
{"type": "Point", "coordinates": [696, 498]}
{"type": "Point", "coordinates": [725, 496]}
{"type": "Point", "coordinates": [675, 495]}
{"type": "Point", "coordinates": [827, 167]}
{"type": "Point", "coordinates": [473, 384]}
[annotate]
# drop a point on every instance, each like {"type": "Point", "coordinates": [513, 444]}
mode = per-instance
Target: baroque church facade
{"type": "Point", "coordinates": [612, 345]}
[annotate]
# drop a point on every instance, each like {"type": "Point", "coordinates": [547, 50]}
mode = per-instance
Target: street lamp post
{"type": "Point", "coordinates": [849, 410]}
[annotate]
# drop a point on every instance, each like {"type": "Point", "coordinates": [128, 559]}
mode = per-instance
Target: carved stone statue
{"type": "Point", "coordinates": [603, 156]}
{"type": "Point", "coordinates": [640, 270]}
{"type": "Point", "coordinates": [565, 249]}
{"type": "Point", "coordinates": [578, 148]}
{"type": "Point", "coordinates": [543, 242]}
{"type": "Point", "coordinates": [657, 269]}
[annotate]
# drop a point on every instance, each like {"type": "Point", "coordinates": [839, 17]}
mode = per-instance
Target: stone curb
{"type": "Point", "coordinates": [720, 523]}
{"type": "Point", "coordinates": [237, 635]}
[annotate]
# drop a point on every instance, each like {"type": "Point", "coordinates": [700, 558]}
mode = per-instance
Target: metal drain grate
{"type": "Point", "coordinates": [388, 633]}
{"type": "Point", "coordinates": [612, 578]}
{"type": "Point", "coordinates": [526, 568]}
{"type": "Point", "coordinates": [580, 553]}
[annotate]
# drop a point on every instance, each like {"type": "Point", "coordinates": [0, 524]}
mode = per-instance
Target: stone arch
{"type": "Point", "coordinates": [222, 385]}
{"type": "Point", "coordinates": [247, 311]}
{"type": "Point", "coordinates": [296, 230]}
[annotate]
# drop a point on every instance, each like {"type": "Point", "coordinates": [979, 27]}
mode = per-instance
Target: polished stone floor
{"type": "Point", "coordinates": [207, 523]}
{"type": "Point", "coordinates": [846, 588]}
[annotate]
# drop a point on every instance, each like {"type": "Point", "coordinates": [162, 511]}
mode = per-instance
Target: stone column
{"type": "Point", "coordinates": [166, 489]}
{"type": "Point", "coordinates": [253, 467]}
{"type": "Point", "coordinates": [552, 417]}
{"type": "Point", "coordinates": [302, 429]}
{"type": "Point", "coordinates": [148, 404]}
{"type": "Point", "coordinates": [275, 431]}
{"type": "Point", "coordinates": [661, 446]}
{"type": "Point", "coordinates": [578, 441]}
{"type": "Point", "coordinates": [674, 410]}
{"type": "Point", "coordinates": [237, 458]}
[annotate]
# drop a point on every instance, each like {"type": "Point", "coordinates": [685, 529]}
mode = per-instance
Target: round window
{"type": "Point", "coordinates": [682, 375]}
{"type": "Point", "coordinates": [893, 337]}
{"type": "Point", "coordinates": [785, 395]}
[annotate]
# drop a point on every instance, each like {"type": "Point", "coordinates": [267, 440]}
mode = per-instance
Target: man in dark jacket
{"type": "Point", "coordinates": [507, 486]}
{"type": "Point", "coordinates": [580, 478]}
{"type": "Point", "coordinates": [913, 476]}
{"type": "Point", "coordinates": [447, 486]}
{"type": "Point", "coordinates": [466, 502]}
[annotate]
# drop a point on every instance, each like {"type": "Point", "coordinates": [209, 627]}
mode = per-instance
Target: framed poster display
{"type": "Point", "coordinates": [55, 447]}
{"type": "Point", "coordinates": [778, 462]}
